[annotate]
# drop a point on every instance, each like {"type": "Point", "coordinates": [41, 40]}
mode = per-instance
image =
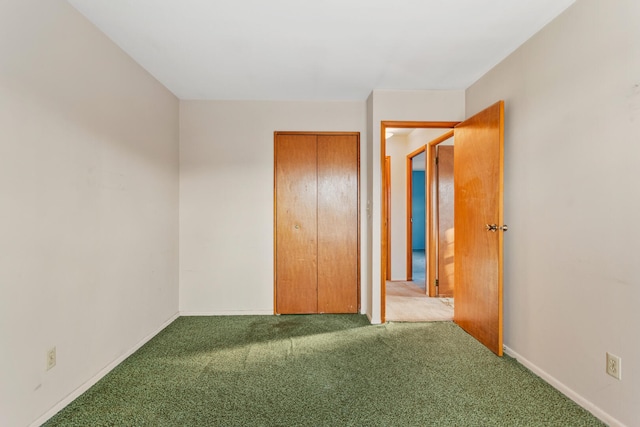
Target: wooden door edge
{"type": "Point", "coordinates": [383, 225]}
{"type": "Point", "coordinates": [409, 212]}
{"type": "Point", "coordinates": [430, 260]}
{"type": "Point", "coordinates": [431, 235]}
{"type": "Point", "coordinates": [359, 258]}
{"type": "Point", "coordinates": [501, 221]}
{"type": "Point", "coordinates": [275, 227]}
{"type": "Point", "coordinates": [387, 215]}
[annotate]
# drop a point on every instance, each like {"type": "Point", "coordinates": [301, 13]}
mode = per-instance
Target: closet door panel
{"type": "Point", "coordinates": [296, 224]}
{"type": "Point", "coordinates": [337, 224]}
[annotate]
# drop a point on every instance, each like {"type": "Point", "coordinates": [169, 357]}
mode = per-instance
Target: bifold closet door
{"type": "Point", "coordinates": [296, 224]}
{"type": "Point", "coordinates": [337, 224]}
{"type": "Point", "coordinates": [316, 223]}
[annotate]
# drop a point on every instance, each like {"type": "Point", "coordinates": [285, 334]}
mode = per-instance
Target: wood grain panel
{"type": "Point", "coordinates": [432, 215]}
{"type": "Point", "coordinates": [409, 218]}
{"type": "Point", "coordinates": [296, 223]}
{"type": "Point", "coordinates": [338, 223]}
{"type": "Point", "coordinates": [478, 176]}
{"type": "Point", "coordinates": [445, 221]}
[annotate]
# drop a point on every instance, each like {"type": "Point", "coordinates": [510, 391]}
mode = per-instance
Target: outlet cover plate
{"type": "Point", "coordinates": [614, 366]}
{"type": "Point", "coordinates": [51, 358]}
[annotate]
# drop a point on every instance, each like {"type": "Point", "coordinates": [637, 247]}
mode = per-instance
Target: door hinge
{"type": "Point", "coordinates": [436, 283]}
{"type": "Point", "coordinates": [436, 160]}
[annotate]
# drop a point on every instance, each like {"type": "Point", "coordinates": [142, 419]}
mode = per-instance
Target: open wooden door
{"type": "Point", "coordinates": [431, 186]}
{"type": "Point", "coordinates": [478, 189]}
{"type": "Point", "coordinates": [445, 217]}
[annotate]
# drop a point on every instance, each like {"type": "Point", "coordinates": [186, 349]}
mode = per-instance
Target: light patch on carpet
{"type": "Point", "coordinates": [407, 302]}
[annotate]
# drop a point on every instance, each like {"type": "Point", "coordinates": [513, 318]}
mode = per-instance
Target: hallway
{"type": "Point", "coordinates": [407, 302]}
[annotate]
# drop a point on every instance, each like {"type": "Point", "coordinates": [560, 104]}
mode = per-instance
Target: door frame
{"type": "Point", "coordinates": [432, 223]}
{"type": "Point", "coordinates": [387, 213]}
{"type": "Point", "coordinates": [409, 170]}
{"type": "Point", "coordinates": [384, 124]}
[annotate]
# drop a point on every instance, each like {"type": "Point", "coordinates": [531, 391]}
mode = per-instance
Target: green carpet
{"type": "Point", "coordinates": [321, 370]}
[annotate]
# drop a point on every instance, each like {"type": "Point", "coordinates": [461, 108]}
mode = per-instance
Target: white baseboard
{"type": "Point", "coordinates": [228, 313]}
{"type": "Point", "coordinates": [87, 385]}
{"type": "Point", "coordinates": [596, 411]}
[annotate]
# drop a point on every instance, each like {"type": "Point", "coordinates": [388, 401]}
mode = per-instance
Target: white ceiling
{"type": "Point", "coordinates": [320, 49]}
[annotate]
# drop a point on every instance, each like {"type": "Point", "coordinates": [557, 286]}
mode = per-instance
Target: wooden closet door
{"type": "Point", "coordinates": [337, 224]}
{"type": "Point", "coordinates": [296, 224]}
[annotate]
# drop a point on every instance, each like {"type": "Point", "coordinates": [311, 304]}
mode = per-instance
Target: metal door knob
{"type": "Point", "coordinates": [494, 227]}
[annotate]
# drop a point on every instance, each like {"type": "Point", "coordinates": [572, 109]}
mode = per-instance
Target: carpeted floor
{"type": "Point", "coordinates": [322, 370]}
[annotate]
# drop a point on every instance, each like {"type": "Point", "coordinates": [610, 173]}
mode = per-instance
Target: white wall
{"type": "Point", "coordinates": [572, 146]}
{"type": "Point", "coordinates": [88, 205]}
{"type": "Point", "coordinates": [226, 197]}
{"type": "Point", "coordinates": [397, 150]}
{"type": "Point", "coordinates": [398, 106]}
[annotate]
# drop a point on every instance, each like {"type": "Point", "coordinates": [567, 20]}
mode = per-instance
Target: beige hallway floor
{"type": "Point", "coordinates": [407, 302]}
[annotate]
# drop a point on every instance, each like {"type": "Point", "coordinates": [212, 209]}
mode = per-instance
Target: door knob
{"type": "Point", "coordinates": [493, 227]}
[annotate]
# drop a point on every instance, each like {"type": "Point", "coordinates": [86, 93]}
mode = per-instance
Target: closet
{"type": "Point", "coordinates": [317, 222]}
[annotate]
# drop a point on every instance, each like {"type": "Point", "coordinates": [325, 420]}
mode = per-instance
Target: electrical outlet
{"type": "Point", "coordinates": [51, 358]}
{"type": "Point", "coordinates": [614, 366]}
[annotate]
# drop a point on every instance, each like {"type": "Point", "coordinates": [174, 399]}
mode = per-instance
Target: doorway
{"type": "Point", "coordinates": [405, 294]}
{"type": "Point", "coordinates": [440, 216]}
{"type": "Point", "coordinates": [478, 221]}
{"type": "Point", "coordinates": [416, 217]}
